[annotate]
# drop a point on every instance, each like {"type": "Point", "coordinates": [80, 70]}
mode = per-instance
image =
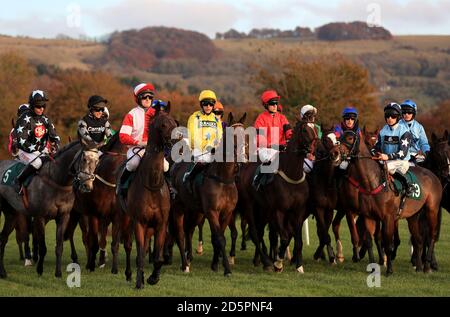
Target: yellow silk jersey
{"type": "Point", "coordinates": [204, 130]}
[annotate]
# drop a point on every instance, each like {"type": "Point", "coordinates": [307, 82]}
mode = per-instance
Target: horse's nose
{"type": "Point", "coordinates": [84, 188]}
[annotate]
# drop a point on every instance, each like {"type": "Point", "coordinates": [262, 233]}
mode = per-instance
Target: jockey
{"type": "Point", "coordinates": [94, 129]}
{"type": "Point", "coordinates": [205, 133]}
{"type": "Point", "coordinates": [273, 128]}
{"type": "Point", "coordinates": [132, 130]}
{"type": "Point", "coordinates": [33, 130]}
{"type": "Point", "coordinates": [393, 145]}
{"type": "Point", "coordinates": [308, 114]}
{"type": "Point", "coordinates": [419, 147]}
{"type": "Point", "coordinates": [12, 138]}
{"type": "Point", "coordinates": [349, 122]}
{"type": "Point", "coordinates": [218, 111]}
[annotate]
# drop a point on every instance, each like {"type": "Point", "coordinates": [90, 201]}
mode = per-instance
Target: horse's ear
{"type": "Point", "coordinates": [433, 138]}
{"type": "Point", "coordinates": [168, 107]}
{"type": "Point", "coordinates": [230, 119]}
{"type": "Point", "coordinates": [242, 120]}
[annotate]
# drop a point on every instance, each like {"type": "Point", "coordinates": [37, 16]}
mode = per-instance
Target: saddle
{"type": "Point", "coordinates": [262, 179]}
{"type": "Point", "coordinates": [398, 186]}
{"type": "Point", "coordinates": [10, 175]}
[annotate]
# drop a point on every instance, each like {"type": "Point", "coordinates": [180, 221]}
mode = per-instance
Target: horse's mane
{"type": "Point", "coordinates": [66, 148]}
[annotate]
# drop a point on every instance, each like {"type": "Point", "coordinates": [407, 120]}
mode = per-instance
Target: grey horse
{"type": "Point", "coordinates": [48, 196]}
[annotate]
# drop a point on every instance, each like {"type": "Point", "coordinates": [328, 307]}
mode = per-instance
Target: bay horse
{"type": "Point", "coordinates": [367, 191]}
{"type": "Point", "coordinates": [148, 196]}
{"type": "Point", "coordinates": [282, 203]}
{"type": "Point", "coordinates": [98, 203]}
{"type": "Point", "coordinates": [215, 199]}
{"type": "Point", "coordinates": [323, 194]}
{"type": "Point", "coordinates": [49, 196]}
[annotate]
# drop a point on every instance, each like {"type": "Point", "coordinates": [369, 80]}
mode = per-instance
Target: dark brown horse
{"type": "Point", "coordinates": [214, 199]}
{"type": "Point", "coordinates": [99, 205]}
{"type": "Point", "coordinates": [323, 191]}
{"type": "Point", "coordinates": [282, 202]}
{"type": "Point", "coordinates": [368, 193]}
{"type": "Point", "coordinates": [148, 196]}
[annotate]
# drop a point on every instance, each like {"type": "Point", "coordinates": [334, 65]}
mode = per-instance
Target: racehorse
{"type": "Point", "coordinates": [367, 191]}
{"type": "Point", "coordinates": [323, 191]}
{"type": "Point", "coordinates": [215, 198]}
{"type": "Point", "coordinates": [148, 196]}
{"type": "Point", "coordinates": [98, 203]}
{"type": "Point", "coordinates": [282, 202]}
{"type": "Point", "coordinates": [48, 196]}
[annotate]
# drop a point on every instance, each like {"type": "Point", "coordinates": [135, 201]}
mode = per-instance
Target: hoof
{"type": "Point", "coordinates": [340, 259]}
{"type": "Point", "coordinates": [268, 268]}
{"type": "Point", "coordinates": [28, 263]}
{"type": "Point", "coordinates": [114, 271]}
{"type": "Point", "coordinates": [102, 266]}
{"type": "Point", "coordinates": [427, 270]}
{"type": "Point", "coordinates": [334, 263]}
{"type": "Point", "coordinates": [214, 267]}
{"type": "Point", "coordinates": [389, 273]}
{"type": "Point", "coordinates": [231, 260]}
{"type": "Point", "coordinates": [300, 270]}
{"type": "Point", "coordinates": [199, 250]}
{"type": "Point", "coordinates": [152, 280]}
{"type": "Point", "coordinates": [278, 270]}
{"type": "Point", "coordinates": [186, 270]}
{"type": "Point", "coordinates": [58, 275]}
{"type": "Point", "coordinates": [278, 266]}
{"type": "Point", "coordinates": [227, 274]}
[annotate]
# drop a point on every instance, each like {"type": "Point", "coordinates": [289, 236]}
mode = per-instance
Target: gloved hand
{"type": "Point", "coordinates": [142, 143]}
{"type": "Point", "coordinates": [53, 148]}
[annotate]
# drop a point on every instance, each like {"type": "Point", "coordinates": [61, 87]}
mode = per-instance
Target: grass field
{"type": "Point", "coordinates": [320, 279]}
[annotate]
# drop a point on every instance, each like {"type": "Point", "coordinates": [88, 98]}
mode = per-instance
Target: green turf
{"type": "Point", "coordinates": [320, 278]}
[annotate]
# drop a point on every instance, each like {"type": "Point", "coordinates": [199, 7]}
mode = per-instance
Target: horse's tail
{"type": "Point", "coordinates": [438, 225]}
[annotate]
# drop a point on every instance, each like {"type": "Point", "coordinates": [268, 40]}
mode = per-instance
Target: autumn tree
{"type": "Point", "coordinates": [16, 82]}
{"type": "Point", "coordinates": [329, 83]}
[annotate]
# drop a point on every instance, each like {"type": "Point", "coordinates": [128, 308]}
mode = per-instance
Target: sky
{"type": "Point", "coordinates": [45, 18]}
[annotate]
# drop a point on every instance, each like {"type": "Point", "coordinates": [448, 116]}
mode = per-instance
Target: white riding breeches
{"type": "Point", "coordinates": [266, 154]}
{"type": "Point", "coordinates": [397, 166]}
{"type": "Point", "coordinates": [202, 157]}
{"type": "Point", "coordinates": [33, 157]}
{"type": "Point", "coordinates": [133, 163]}
{"type": "Point", "coordinates": [133, 158]}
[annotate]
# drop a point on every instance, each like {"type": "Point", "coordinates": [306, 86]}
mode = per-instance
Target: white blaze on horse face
{"type": "Point", "coordinates": [333, 138]}
{"type": "Point", "coordinates": [88, 165]}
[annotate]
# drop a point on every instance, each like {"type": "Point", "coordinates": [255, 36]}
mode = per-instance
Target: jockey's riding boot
{"type": "Point", "coordinates": [172, 191]}
{"type": "Point", "coordinates": [22, 177]}
{"type": "Point", "coordinates": [408, 188]}
{"type": "Point", "coordinates": [190, 175]}
{"type": "Point", "coordinates": [123, 178]}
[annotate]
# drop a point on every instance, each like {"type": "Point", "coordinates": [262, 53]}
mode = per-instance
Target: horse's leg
{"type": "Point", "coordinates": [158, 260]}
{"type": "Point", "coordinates": [244, 236]}
{"type": "Point", "coordinates": [218, 241]}
{"type": "Point", "coordinates": [126, 231]}
{"type": "Point", "coordinates": [361, 230]}
{"type": "Point", "coordinates": [61, 225]}
{"type": "Point", "coordinates": [224, 222]}
{"type": "Point", "coordinates": [20, 234]}
{"type": "Point", "coordinates": [234, 236]}
{"type": "Point", "coordinates": [168, 247]}
{"type": "Point", "coordinates": [379, 242]}
{"type": "Point", "coordinates": [417, 241]}
{"type": "Point", "coordinates": [115, 242]}
{"type": "Point", "coordinates": [39, 227]}
{"type": "Point", "coordinates": [68, 235]}
{"type": "Point", "coordinates": [8, 227]}
{"type": "Point", "coordinates": [102, 243]}
{"type": "Point", "coordinates": [388, 230]}
{"type": "Point", "coordinates": [200, 237]}
{"type": "Point", "coordinates": [396, 241]}
{"type": "Point", "coordinates": [273, 241]}
{"type": "Point", "coordinates": [328, 219]}
{"type": "Point", "coordinates": [284, 240]}
{"type": "Point", "coordinates": [93, 241]}
{"type": "Point", "coordinates": [336, 225]}
{"type": "Point", "coordinates": [354, 235]}
{"type": "Point", "coordinates": [178, 233]}
{"type": "Point", "coordinates": [27, 241]}
{"type": "Point", "coordinates": [84, 227]}
{"type": "Point", "coordinates": [370, 233]}
{"type": "Point", "coordinates": [432, 218]}
{"type": "Point", "coordinates": [321, 231]}
{"type": "Point", "coordinates": [298, 238]}
{"type": "Point", "coordinates": [140, 237]}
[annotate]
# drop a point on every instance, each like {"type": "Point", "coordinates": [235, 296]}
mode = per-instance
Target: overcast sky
{"type": "Point", "coordinates": [45, 18]}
